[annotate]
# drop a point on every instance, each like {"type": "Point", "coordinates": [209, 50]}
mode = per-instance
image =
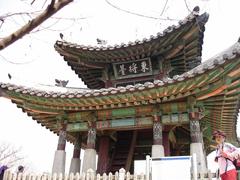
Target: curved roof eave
{"type": "Point", "coordinates": [56, 100]}
{"type": "Point", "coordinates": [64, 92]}
{"type": "Point", "coordinates": [100, 54]}
{"type": "Point", "coordinates": [187, 36]}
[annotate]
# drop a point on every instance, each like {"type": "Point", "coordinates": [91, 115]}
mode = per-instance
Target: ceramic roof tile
{"type": "Point", "coordinates": [105, 93]}
{"type": "Point", "coordinates": [122, 90]}
{"type": "Point", "coordinates": [113, 92]}
{"type": "Point", "coordinates": [132, 88]}
{"type": "Point", "coordinates": [160, 83]}
{"type": "Point", "coordinates": [149, 84]}
{"type": "Point", "coordinates": [79, 95]}
{"type": "Point", "coordinates": [63, 92]}
{"type": "Point", "coordinates": [169, 29]}
{"type": "Point", "coordinates": [141, 88]}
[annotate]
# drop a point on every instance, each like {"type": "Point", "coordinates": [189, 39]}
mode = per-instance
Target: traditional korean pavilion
{"type": "Point", "coordinates": [150, 97]}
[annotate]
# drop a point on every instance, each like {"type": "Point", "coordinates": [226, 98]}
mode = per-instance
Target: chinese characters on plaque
{"type": "Point", "coordinates": [140, 67]}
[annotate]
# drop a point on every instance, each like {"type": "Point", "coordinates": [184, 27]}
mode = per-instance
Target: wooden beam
{"type": "Point", "coordinates": [236, 72]}
{"type": "Point", "coordinates": [40, 109]}
{"type": "Point", "coordinates": [113, 124]}
{"type": "Point", "coordinates": [131, 151]}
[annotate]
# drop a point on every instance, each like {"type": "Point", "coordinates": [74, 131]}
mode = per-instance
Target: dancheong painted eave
{"type": "Point", "coordinates": [98, 53]}
{"type": "Point", "coordinates": [185, 38]}
{"type": "Point", "coordinates": [215, 84]}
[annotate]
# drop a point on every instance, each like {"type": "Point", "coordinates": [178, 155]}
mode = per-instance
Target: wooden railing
{"type": "Point", "coordinates": [90, 175]}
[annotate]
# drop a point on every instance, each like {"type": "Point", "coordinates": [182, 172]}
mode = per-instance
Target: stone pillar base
{"type": "Point", "coordinates": [89, 160]}
{"type": "Point", "coordinates": [157, 151]}
{"type": "Point", "coordinates": [75, 166]}
{"type": "Point", "coordinates": [197, 148]}
{"type": "Point", "coordinates": [59, 162]}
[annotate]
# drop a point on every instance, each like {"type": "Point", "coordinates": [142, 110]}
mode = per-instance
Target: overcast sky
{"type": "Point", "coordinates": [33, 60]}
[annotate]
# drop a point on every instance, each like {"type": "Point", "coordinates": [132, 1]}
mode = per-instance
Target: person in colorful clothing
{"type": "Point", "coordinates": [225, 155]}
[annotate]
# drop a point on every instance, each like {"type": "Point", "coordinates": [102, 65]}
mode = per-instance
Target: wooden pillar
{"type": "Point", "coordinates": [157, 147]}
{"type": "Point", "coordinates": [77, 147]}
{"type": "Point", "coordinates": [106, 78]}
{"type": "Point", "coordinates": [91, 140]}
{"type": "Point", "coordinates": [195, 131]}
{"type": "Point", "coordinates": [60, 154]}
{"type": "Point", "coordinates": [166, 144]}
{"type": "Point", "coordinates": [89, 160]}
{"type": "Point", "coordinates": [62, 137]}
{"type": "Point", "coordinates": [76, 162]}
{"type": "Point", "coordinates": [157, 130]}
{"type": "Point", "coordinates": [196, 146]}
{"type": "Point", "coordinates": [103, 156]}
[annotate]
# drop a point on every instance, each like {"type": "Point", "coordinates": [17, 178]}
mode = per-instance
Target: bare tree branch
{"type": "Point", "coordinates": [9, 155]}
{"type": "Point", "coordinates": [3, 148]}
{"type": "Point", "coordinates": [138, 14]}
{"type": "Point", "coordinates": [14, 161]}
{"type": "Point", "coordinates": [48, 12]}
{"type": "Point", "coordinates": [32, 2]}
{"type": "Point", "coordinates": [165, 5]}
{"type": "Point", "coordinates": [2, 17]}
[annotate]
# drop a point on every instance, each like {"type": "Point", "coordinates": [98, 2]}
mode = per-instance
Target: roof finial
{"type": "Point", "coordinates": [100, 41]}
{"type": "Point", "coordinates": [61, 35]}
{"type": "Point", "coordinates": [61, 83]}
{"type": "Point", "coordinates": [196, 10]}
{"type": "Point", "coordinates": [9, 76]}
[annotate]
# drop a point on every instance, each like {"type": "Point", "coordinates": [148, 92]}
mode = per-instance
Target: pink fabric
{"type": "Point", "coordinates": [225, 164]}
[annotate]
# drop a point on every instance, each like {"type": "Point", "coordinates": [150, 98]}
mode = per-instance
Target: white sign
{"type": "Point", "coordinates": [171, 168]}
{"type": "Point", "coordinates": [139, 166]}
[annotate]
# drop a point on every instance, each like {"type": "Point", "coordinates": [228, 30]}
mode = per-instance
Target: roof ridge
{"type": "Point", "coordinates": [221, 58]}
{"type": "Point", "coordinates": [190, 17]}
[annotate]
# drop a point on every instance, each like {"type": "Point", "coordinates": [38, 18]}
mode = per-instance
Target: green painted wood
{"type": "Point", "coordinates": [75, 127]}
{"type": "Point", "coordinates": [175, 118]}
{"type": "Point", "coordinates": [27, 105]}
{"type": "Point", "coordinates": [144, 121]}
{"type": "Point", "coordinates": [92, 102]}
{"type": "Point", "coordinates": [211, 87]}
{"type": "Point", "coordinates": [123, 122]}
{"type": "Point", "coordinates": [123, 112]}
{"type": "Point", "coordinates": [174, 108]}
{"type": "Point", "coordinates": [230, 66]}
{"type": "Point", "coordinates": [78, 116]}
{"type": "Point", "coordinates": [234, 87]}
{"type": "Point", "coordinates": [183, 117]}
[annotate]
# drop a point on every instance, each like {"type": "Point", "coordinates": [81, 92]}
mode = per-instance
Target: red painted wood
{"type": "Point", "coordinates": [166, 144]}
{"type": "Point", "coordinates": [62, 137]}
{"type": "Point", "coordinates": [77, 147]}
{"type": "Point", "coordinates": [103, 156]}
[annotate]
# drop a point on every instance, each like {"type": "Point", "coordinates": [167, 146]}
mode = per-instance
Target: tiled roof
{"type": "Point", "coordinates": [64, 92]}
{"type": "Point", "coordinates": [192, 16]}
{"type": "Point", "coordinates": [215, 83]}
{"type": "Point", "coordinates": [180, 44]}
